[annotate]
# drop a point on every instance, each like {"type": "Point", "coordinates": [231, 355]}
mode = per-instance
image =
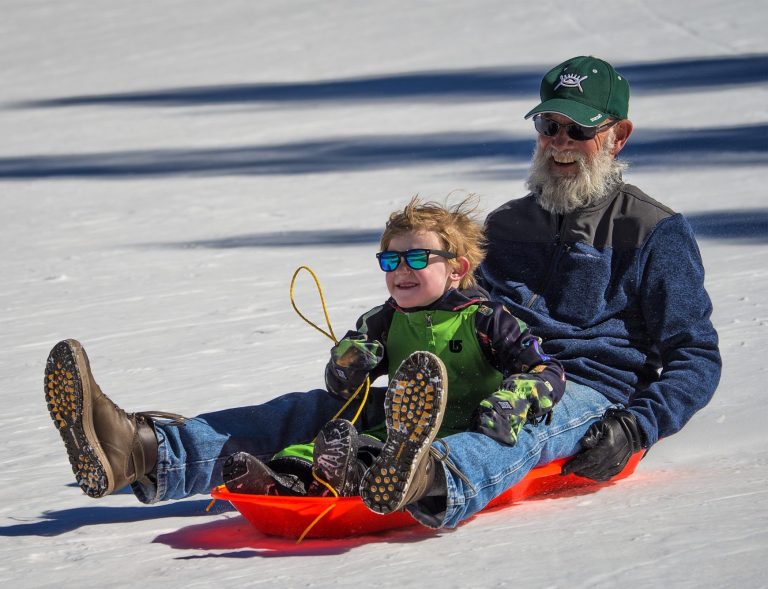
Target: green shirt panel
{"type": "Point", "coordinates": [450, 335]}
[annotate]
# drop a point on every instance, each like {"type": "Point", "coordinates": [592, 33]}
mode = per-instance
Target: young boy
{"type": "Point", "coordinates": [437, 332]}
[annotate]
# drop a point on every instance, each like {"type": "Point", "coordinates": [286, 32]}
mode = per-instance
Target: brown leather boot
{"type": "Point", "coordinates": [107, 447]}
{"type": "Point", "coordinates": [414, 406]}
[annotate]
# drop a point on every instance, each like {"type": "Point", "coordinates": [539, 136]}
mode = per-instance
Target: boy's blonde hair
{"type": "Point", "coordinates": [458, 231]}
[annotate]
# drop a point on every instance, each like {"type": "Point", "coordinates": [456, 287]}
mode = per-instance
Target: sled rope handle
{"type": "Point", "coordinates": [330, 335]}
{"type": "Point", "coordinates": [367, 384]}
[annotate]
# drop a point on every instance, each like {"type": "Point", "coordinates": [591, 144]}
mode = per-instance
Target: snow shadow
{"type": "Point", "coordinates": [238, 539]}
{"type": "Point", "coordinates": [690, 148]}
{"type": "Point", "coordinates": [436, 86]}
{"type": "Point", "coordinates": [745, 145]}
{"type": "Point", "coordinates": [54, 523]}
{"type": "Point", "coordinates": [332, 155]}
{"type": "Point", "coordinates": [748, 225]}
{"type": "Point", "coordinates": [331, 237]}
{"type": "Point", "coordinates": [745, 225]}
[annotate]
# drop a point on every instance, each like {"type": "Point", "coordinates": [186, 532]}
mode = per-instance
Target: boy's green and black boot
{"type": "Point", "coordinates": [335, 462]}
{"type": "Point", "coordinates": [404, 472]}
{"type": "Point", "coordinates": [107, 447]}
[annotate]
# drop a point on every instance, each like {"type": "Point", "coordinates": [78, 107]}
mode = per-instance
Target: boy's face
{"type": "Point", "coordinates": [419, 288]}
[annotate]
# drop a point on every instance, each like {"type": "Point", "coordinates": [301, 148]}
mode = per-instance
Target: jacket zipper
{"type": "Point", "coordinates": [559, 251]}
{"type": "Point", "coordinates": [430, 331]}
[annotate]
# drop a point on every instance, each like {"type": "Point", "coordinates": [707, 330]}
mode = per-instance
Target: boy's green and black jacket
{"type": "Point", "coordinates": [483, 346]}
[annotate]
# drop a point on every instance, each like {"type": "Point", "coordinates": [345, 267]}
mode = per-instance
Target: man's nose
{"type": "Point", "coordinates": [561, 137]}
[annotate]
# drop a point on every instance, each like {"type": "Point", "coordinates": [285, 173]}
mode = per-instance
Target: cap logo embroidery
{"type": "Point", "coordinates": [571, 81]}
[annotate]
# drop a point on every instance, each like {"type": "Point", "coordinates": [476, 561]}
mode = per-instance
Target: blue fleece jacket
{"type": "Point", "coordinates": [617, 293]}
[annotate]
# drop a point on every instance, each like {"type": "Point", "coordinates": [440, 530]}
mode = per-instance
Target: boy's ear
{"type": "Point", "coordinates": [460, 268]}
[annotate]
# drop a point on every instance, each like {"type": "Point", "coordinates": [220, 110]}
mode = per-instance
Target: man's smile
{"type": "Point", "coordinates": [564, 158]}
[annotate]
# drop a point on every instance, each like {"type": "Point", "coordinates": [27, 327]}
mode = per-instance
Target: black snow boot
{"type": "Point", "coordinates": [335, 461]}
{"type": "Point", "coordinates": [243, 473]}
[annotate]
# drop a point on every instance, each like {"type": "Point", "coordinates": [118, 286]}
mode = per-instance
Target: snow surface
{"type": "Point", "coordinates": [166, 165]}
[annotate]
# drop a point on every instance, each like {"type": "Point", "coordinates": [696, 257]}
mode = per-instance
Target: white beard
{"type": "Point", "coordinates": [596, 177]}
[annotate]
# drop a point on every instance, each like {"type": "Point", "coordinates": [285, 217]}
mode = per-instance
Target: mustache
{"type": "Point", "coordinates": [551, 152]}
{"type": "Point", "coordinates": [577, 156]}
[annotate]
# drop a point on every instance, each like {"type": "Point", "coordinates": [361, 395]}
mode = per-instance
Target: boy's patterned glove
{"type": "Point", "coordinates": [505, 412]}
{"type": "Point", "coordinates": [351, 361]}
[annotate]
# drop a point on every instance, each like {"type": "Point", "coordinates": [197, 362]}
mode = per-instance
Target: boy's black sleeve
{"type": "Point", "coordinates": [517, 354]}
{"type": "Point", "coordinates": [360, 353]}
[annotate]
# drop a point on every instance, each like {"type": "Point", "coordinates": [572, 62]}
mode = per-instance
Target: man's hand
{"type": "Point", "coordinates": [607, 446]}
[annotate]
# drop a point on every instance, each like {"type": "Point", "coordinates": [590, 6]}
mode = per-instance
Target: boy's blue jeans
{"type": "Point", "coordinates": [190, 457]}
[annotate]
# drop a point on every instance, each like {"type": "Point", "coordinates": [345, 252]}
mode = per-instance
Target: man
{"type": "Point", "coordinates": [609, 278]}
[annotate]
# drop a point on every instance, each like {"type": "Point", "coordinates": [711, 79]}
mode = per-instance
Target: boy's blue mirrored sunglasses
{"type": "Point", "coordinates": [416, 258]}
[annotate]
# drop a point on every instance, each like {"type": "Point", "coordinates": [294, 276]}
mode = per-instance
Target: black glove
{"type": "Point", "coordinates": [351, 361]}
{"type": "Point", "coordinates": [607, 446]}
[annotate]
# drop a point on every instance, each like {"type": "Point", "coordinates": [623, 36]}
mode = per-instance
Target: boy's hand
{"type": "Point", "coordinates": [607, 446]}
{"type": "Point", "coordinates": [505, 412]}
{"type": "Point", "coordinates": [351, 361]}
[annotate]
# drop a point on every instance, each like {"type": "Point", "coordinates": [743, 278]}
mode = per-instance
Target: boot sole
{"type": "Point", "coordinates": [69, 400]}
{"type": "Point", "coordinates": [414, 408]}
{"type": "Point", "coordinates": [334, 455]}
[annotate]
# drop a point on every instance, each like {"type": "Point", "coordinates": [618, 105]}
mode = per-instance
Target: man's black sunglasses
{"type": "Point", "coordinates": [550, 128]}
{"type": "Point", "coordinates": [416, 258]}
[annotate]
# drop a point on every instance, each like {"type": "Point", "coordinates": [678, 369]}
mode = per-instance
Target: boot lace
{"type": "Point", "coordinates": [444, 458]}
{"type": "Point", "coordinates": [174, 418]}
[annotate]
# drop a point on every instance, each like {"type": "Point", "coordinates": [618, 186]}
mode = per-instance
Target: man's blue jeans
{"type": "Point", "coordinates": [190, 457]}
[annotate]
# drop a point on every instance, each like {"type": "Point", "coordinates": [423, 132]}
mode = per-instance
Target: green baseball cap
{"type": "Point", "coordinates": [585, 89]}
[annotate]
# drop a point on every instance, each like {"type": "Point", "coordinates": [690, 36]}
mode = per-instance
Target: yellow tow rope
{"type": "Point", "coordinates": [329, 334]}
{"type": "Point", "coordinates": [366, 384]}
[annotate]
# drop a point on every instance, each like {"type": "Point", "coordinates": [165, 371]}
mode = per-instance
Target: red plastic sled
{"type": "Point", "coordinates": [347, 516]}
